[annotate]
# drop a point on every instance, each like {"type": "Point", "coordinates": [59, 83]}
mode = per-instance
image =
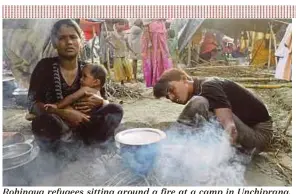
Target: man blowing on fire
{"type": "Point", "coordinates": [242, 115]}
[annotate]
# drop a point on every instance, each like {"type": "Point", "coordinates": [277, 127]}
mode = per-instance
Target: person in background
{"type": "Point", "coordinates": [208, 47]}
{"type": "Point", "coordinates": [242, 115]}
{"type": "Point", "coordinates": [135, 43]}
{"type": "Point", "coordinates": [173, 46]}
{"type": "Point", "coordinates": [155, 52]}
{"type": "Point", "coordinates": [106, 52]}
{"type": "Point", "coordinates": [123, 71]}
{"type": "Point", "coordinates": [52, 80]}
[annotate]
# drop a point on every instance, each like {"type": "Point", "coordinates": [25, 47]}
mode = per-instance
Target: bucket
{"type": "Point", "coordinates": [139, 148]}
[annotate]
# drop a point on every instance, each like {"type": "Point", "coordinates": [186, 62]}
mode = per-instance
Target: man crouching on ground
{"type": "Point", "coordinates": [243, 116]}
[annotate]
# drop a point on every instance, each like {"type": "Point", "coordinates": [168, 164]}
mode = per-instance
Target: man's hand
{"type": "Point", "coordinates": [232, 131]}
{"type": "Point", "coordinates": [225, 117]}
{"type": "Point", "coordinates": [89, 102]}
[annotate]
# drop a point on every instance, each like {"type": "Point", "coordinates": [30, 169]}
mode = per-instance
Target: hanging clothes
{"type": "Point", "coordinates": [284, 53]}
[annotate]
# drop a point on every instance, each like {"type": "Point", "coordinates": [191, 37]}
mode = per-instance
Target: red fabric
{"type": "Point", "coordinates": [87, 28]}
{"type": "Point", "coordinates": [209, 43]}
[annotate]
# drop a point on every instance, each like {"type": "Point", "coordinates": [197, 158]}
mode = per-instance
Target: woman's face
{"type": "Point", "coordinates": [68, 43]}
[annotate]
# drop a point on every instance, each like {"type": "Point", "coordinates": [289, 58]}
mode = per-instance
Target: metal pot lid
{"type": "Point", "coordinates": [34, 153]}
{"type": "Point", "coordinates": [16, 150]}
{"type": "Point", "coordinates": [7, 79]}
{"type": "Point", "coordinates": [20, 93]}
{"type": "Point", "coordinates": [140, 136]}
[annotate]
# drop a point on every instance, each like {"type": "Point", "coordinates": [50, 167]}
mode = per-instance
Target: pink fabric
{"type": "Point", "coordinates": [155, 52]}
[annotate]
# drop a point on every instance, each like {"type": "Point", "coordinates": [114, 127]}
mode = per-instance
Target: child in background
{"type": "Point", "coordinates": [173, 46]}
{"type": "Point", "coordinates": [92, 81]}
{"type": "Point", "coordinates": [135, 35]}
{"type": "Point", "coordinates": [123, 70]}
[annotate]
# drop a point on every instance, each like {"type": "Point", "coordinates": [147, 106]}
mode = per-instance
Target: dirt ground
{"type": "Point", "coordinates": [272, 168]}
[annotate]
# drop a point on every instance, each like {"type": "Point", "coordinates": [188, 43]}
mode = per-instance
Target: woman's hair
{"type": "Point", "coordinates": [161, 87]}
{"type": "Point", "coordinates": [68, 22]}
{"type": "Point", "coordinates": [100, 73]}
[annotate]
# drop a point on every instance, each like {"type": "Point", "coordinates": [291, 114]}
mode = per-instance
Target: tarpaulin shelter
{"type": "Point", "coordinates": [233, 28]}
{"type": "Point", "coordinates": [230, 27]}
{"type": "Point", "coordinates": [90, 27]}
{"type": "Point", "coordinates": [25, 42]}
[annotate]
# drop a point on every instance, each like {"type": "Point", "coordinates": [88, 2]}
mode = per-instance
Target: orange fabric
{"type": "Point", "coordinates": [197, 37]}
{"type": "Point", "coordinates": [260, 54]}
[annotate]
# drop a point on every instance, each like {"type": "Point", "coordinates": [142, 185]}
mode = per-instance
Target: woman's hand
{"type": "Point", "coordinates": [75, 118]}
{"type": "Point", "coordinates": [87, 104]}
{"type": "Point", "coordinates": [71, 116]}
{"type": "Point", "coordinates": [46, 106]}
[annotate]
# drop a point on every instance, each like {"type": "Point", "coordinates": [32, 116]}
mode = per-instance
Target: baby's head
{"type": "Point", "coordinates": [93, 76]}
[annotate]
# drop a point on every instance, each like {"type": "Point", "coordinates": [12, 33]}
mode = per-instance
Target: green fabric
{"type": "Point", "coordinates": [173, 46]}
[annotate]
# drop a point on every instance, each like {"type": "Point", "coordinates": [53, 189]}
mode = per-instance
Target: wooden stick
{"type": "Point", "coordinates": [247, 79]}
{"type": "Point", "coordinates": [258, 86]}
{"type": "Point", "coordinates": [282, 22]}
{"type": "Point", "coordinates": [107, 50]}
{"type": "Point", "coordinates": [220, 66]}
{"type": "Point", "coordinates": [269, 51]}
{"type": "Point", "coordinates": [274, 44]}
{"type": "Point", "coordinates": [202, 61]}
{"type": "Point", "coordinates": [189, 53]}
{"type": "Point", "coordinates": [288, 123]}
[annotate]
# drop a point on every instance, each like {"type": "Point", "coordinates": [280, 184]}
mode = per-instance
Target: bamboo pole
{"type": "Point", "coordinates": [274, 43]}
{"type": "Point", "coordinates": [204, 61]}
{"type": "Point", "coordinates": [269, 86]}
{"type": "Point", "coordinates": [269, 51]}
{"type": "Point", "coordinates": [107, 50]}
{"type": "Point", "coordinates": [189, 53]}
{"type": "Point", "coordinates": [281, 22]}
{"type": "Point", "coordinates": [247, 79]}
{"type": "Point", "coordinates": [288, 123]}
{"type": "Point", "coordinates": [220, 66]}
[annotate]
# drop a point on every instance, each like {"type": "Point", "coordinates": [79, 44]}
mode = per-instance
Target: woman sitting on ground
{"type": "Point", "coordinates": [53, 79]}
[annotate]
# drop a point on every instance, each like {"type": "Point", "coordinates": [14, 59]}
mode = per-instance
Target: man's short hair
{"type": "Point", "coordinates": [161, 87]}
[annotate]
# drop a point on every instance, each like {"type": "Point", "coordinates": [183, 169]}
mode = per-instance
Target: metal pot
{"type": "Point", "coordinates": [139, 148]}
{"type": "Point", "coordinates": [16, 154]}
{"type": "Point", "coordinates": [21, 96]}
{"type": "Point", "coordinates": [8, 86]}
{"type": "Point", "coordinates": [23, 157]}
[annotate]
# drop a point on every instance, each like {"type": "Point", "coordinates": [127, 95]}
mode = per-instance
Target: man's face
{"type": "Point", "coordinates": [178, 91]}
{"type": "Point", "coordinates": [68, 43]}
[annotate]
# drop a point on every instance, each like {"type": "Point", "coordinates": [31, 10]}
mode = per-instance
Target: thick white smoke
{"type": "Point", "coordinates": [201, 156]}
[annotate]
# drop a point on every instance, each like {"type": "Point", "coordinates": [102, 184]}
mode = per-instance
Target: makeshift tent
{"type": "Point", "coordinates": [262, 53]}
{"type": "Point", "coordinates": [284, 52]}
{"type": "Point", "coordinates": [90, 27]}
{"type": "Point", "coordinates": [233, 29]}
{"type": "Point", "coordinates": [230, 27]}
{"type": "Point", "coordinates": [25, 42]}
